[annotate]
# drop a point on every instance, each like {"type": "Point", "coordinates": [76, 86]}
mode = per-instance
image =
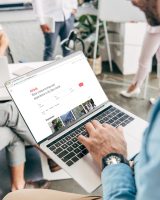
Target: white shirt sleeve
{"type": "Point", "coordinates": [38, 7]}
{"type": "Point", "coordinates": [74, 4]}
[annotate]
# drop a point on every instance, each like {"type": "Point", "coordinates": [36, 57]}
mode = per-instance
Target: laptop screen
{"type": "Point", "coordinates": [57, 95]}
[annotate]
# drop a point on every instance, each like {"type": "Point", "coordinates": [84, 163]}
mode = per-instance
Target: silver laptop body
{"type": "Point", "coordinates": [56, 101]}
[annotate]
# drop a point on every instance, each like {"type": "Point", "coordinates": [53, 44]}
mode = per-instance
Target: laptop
{"type": "Point", "coordinates": [56, 101]}
{"type": "Point", "coordinates": [4, 76]}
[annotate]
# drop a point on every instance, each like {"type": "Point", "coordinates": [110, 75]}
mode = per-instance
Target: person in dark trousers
{"type": "Point", "coordinates": [56, 19]}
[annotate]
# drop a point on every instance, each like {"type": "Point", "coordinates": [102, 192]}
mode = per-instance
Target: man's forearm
{"type": "Point", "coordinates": [118, 183]}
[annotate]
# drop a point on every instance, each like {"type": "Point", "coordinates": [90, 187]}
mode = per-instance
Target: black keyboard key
{"type": "Point", "coordinates": [77, 150]}
{"type": "Point", "coordinates": [103, 115]}
{"type": "Point", "coordinates": [114, 124]}
{"type": "Point", "coordinates": [114, 118]}
{"type": "Point", "coordinates": [57, 144]}
{"type": "Point", "coordinates": [52, 147]}
{"type": "Point", "coordinates": [63, 141]}
{"type": "Point", "coordinates": [80, 155]}
{"type": "Point", "coordinates": [74, 139]}
{"type": "Point", "coordinates": [117, 111]}
{"type": "Point", "coordinates": [120, 115]}
{"type": "Point", "coordinates": [74, 134]}
{"type": "Point", "coordinates": [52, 143]}
{"type": "Point", "coordinates": [79, 144]}
{"type": "Point", "coordinates": [105, 118]}
{"type": "Point", "coordinates": [82, 128]}
{"type": "Point", "coordinates": [131, 119]}
{"type": "Point", "coordinates": [118, 123]}
{"type": "Point", "coordinates": [69, 163]}
{"type": "Point", "coordinates": [85, 133]}
{"type": "Point", "coordinates": [68, 157]}
{"type": "Point", "coordinates": [78, 131]}
{"type": "Point", "coordinates": [110, 121]}
{"type": "Point", "coordinates": [75, 159]}
{"type": "Point", "coordinates": [62, 154]}
{"type": "Point", "coordinates": [112, 109]}
{"type": "Point", "coordinates": [69, 149]}
{"type": "Point", "coordinates": [123, 124]}
{"type": "Point", "coordinates": [75, 145]}
{"type": "Point", "coordinates": [57, 151]}
{"type": "Point", "coordinates": [85, 151]}
{"type": "Point", "coordinates": [67, 138]}
{"type": "Point", "coordinates": [64, 146]}
{"type": "Point", "coordinates": [102, 121]}
{"type": "Point", "coordinates": [124, 118]}
{"type": "Point", "coordinates": [69, 143]}
{"type": "Point", "coordinates": [127, 122]}
{"type": "Point", "coordinates": [81, 147]}
{"type": "Point", "coordinates": [111, 116]}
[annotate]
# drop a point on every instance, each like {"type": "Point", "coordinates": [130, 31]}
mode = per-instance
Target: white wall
{"type": "Point", "coordinates": [26, 38]}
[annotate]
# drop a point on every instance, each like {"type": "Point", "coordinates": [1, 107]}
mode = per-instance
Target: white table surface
{"type": "Point", "coordinates": [34, 65]}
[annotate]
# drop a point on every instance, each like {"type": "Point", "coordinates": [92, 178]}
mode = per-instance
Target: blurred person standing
{"type": "Point", "coordinates": [56, 19]}
{"type": "Point", "coordinates": [150, 47]}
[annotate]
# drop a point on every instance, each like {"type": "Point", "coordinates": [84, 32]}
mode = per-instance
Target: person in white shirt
{"type": "Point", "coordinates": [60, 13]}
{"type": "Point", "coordinates": [3, 41]}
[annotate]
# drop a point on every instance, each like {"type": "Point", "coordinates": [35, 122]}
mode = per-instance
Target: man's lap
{"type": "Point", "coordinates": [47, 195]}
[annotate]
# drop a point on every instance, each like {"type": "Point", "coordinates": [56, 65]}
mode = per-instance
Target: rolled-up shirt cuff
{"type": "Point", "coordinates": [118, 182]}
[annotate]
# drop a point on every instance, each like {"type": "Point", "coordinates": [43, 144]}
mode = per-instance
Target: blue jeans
{"type": "Point", "coordinates": [62, 29]}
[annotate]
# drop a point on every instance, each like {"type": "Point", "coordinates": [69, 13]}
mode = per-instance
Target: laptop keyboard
{"type": "Point", "coordinates": [70, 150]}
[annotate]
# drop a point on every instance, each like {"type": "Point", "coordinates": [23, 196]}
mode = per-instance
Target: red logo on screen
{"type": "Point", "coordinates": [81, 84]}
{"type": "Point", "coordinates": [34, 89]}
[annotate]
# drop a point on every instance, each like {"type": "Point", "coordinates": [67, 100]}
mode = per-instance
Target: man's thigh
{"type": "Point", "coordinates": [7, 137]}
{"type": "Point", "coordinates": [47, 195]}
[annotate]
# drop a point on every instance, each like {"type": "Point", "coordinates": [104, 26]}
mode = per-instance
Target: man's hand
{"type": "Point", "coordinates": [45, 28]}
{"type": "Point", "coordinates": [74, 11]}
{"type": "Point", "coordinates": [103, 139]}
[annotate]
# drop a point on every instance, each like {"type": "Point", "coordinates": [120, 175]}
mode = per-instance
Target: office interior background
{"type": "Point", "coordinates": [26, 45]}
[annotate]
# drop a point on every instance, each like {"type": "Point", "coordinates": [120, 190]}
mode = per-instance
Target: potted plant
{"type": "Point", "coordinates": [86, 26]}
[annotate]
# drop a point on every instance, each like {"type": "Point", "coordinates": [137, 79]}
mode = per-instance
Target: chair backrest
{"type": "Point", "coordinates": [119, 11]}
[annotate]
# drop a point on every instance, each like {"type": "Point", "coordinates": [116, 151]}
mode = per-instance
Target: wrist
{"type": "Point", "coordinates": [114, 159]}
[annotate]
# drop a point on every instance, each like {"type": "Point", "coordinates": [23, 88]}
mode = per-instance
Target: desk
{"type": "Point", "coordinates": [17, 66]}
{"type": "Point", "coordinates": [47, 174]}
{"type": "Point", "coordinates": [14, 67]}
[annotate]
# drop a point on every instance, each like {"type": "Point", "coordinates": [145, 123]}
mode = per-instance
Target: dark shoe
{"type": "Point", "coordinates": [44, 184]}
{"type": "Point", "coordinates": [53, 166]}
